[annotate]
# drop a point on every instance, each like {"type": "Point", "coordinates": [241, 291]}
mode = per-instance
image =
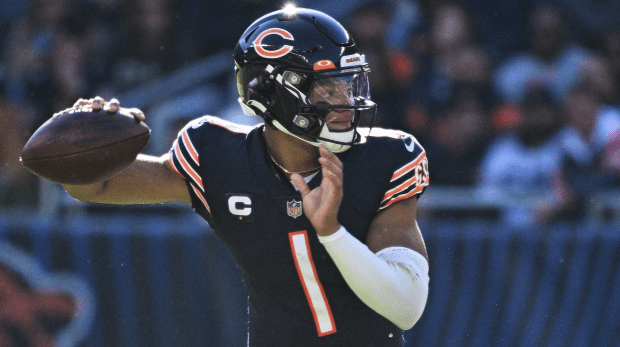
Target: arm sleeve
{"type": "Point", "coordinates": [393, 282]}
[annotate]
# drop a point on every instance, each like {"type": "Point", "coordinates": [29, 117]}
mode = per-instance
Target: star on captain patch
{"type": "Point", "coordinates": [293, 208]}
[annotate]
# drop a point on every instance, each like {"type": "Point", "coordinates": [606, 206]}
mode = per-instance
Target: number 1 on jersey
{"type": "Point", "coordinates": [310, 282]}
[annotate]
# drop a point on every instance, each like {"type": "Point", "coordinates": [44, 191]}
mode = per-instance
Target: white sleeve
{"type": "Point", "coordinates": [393, 282]}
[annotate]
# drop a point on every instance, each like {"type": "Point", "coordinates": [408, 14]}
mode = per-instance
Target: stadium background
{"type": "Point", "coordinates": [530, 258]}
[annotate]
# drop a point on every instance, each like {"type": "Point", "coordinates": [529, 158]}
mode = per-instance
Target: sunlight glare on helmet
{"type": "Point", "coordinates": [290, 9]}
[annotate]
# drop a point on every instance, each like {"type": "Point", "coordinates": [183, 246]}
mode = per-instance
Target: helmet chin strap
{"type": "Point", "coordinates": [345, 136]}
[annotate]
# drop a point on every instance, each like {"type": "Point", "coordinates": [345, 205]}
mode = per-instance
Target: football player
{"type": "Point", "coordinates": [318, 212]}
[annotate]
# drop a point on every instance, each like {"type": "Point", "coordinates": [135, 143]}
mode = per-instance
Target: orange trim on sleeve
{"type": "Point", "coordinates": [399, 189]}
{"type": "Point", "coordinates": [170, 154]}
{"type": "Point", "coordinates": [403, 197]}
{"type": "Point", "coordinates": [187, 167]}
{"type": "Point", "coordinates": [201, 198]}
{"type": "Point", "coordinates": [403, 170]}
{"type": "Point", "coordinates": [190, 147]}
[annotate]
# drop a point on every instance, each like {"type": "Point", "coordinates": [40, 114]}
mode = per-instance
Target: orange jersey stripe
{"type": "Point", "coordinates": [187, 167]}
{"type": "Point", "coordinates": [201, 198]}
{"type": "Point", "coordinates": [403, 170]}
{"type": "Point", "coordinates": [172, 163]}
{"type": "Point", "coordinates": [190, 147]}
{"type": "Point", "coordinates": [406, 196]}
{"type": "Point", "coordinates": [399, 189]}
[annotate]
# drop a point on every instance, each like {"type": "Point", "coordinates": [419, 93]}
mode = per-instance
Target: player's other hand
{"type": "Point", "coordinates": [97, 103]}
{"type": "Point", "coordinates": [322, 203]}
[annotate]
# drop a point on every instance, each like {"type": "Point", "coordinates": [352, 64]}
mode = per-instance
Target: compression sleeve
{"type": "Point", "coordinates": [393, 282]}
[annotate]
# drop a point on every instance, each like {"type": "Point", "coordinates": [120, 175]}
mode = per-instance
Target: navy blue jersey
{"type": "Point", "coordinates": [297, 295]}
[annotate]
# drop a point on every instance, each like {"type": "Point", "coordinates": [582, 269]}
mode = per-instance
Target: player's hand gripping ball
{"type": "Point", "coordinates": [83, 146]}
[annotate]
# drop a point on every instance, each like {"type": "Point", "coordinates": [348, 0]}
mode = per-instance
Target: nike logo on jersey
{"type": "Point", "coordinates": [411, 146]}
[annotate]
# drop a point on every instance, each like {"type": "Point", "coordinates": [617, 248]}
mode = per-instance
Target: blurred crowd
{"type": "Point", "coordinates": [513, 97]}
{"type": "Point", "coordinates": [53, 52]}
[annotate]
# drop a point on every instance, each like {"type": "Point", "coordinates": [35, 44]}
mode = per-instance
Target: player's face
{"type": "Point", "coordinates": [335, 91]}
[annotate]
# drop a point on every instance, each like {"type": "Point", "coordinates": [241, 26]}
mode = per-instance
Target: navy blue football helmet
{"type": "Point", "coordinates": [296, 66]}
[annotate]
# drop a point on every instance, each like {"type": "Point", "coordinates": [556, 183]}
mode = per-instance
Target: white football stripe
{"type": "Point", "coordinates": [314, 291]}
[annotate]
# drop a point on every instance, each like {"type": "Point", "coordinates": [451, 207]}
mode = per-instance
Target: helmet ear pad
{"type": "Point", "coordinates": [262, 90]}
{"type": "Point", "coordinates": [280, 103]}
{"type": "Point", "coordinates": [285, 106]}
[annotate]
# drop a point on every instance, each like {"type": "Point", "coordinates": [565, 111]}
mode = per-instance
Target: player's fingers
{"type": "Point", "coordinates": [330, 166]}
{"type": "Point", "coordinates": [137, 113]}
{"type": "Point", "coordinates": [113, 105]}
{"type": "Point", "coordinates": [80, 102]}
{"type": "Point", "coordinates": [98, 103]}
{"type": "Point", "coordinates": [301, 185]}
{"type": "Point", "coordinates": [326, 153]}
{"type": "Point", "coordinates": [333, 178]}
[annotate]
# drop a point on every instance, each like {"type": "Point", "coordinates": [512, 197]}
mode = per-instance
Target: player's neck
{"type": "Point", "coordinates": [291, 154]}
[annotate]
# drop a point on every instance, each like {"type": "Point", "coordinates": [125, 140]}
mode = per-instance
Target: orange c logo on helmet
{"type": "Point", "coordinates": [277, 53]}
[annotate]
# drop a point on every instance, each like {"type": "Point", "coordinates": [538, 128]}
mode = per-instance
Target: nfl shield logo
{"type": "Point", "coordinates": [293, 208]}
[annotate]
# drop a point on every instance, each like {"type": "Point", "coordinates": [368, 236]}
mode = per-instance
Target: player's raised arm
{"type": "Point", "coordinates": [389, 273]}
{"type": "Point", "coordinates": [147, 180]}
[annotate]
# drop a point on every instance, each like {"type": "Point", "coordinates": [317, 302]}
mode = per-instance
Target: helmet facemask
{"type": "Point", "coordinates": [336, 99]}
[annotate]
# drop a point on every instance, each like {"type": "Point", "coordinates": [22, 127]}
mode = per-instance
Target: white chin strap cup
{"type": "Point", "coordinates": [344, 136]}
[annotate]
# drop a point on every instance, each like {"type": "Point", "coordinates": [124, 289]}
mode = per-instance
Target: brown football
{"type": "Point", "coordinates": [82, 146]}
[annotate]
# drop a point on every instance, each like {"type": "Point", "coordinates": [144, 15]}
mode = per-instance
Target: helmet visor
{"type": "Point", "coordinates": [339, 90]}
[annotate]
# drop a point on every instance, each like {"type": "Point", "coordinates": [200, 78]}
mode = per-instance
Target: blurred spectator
{"type": "Point", "coordinates": [452, 25]}
{"type": "Point", "coordinates": [407, 18]}
{"type": "Point", "coordinates": [591, 145]}
{"type": "Point", "coordinates": [591, 18]}
{"type": "Point", "coordinates": [68, 62]}
{"type": "Point", "coordinates": [596, 75]}
{"type": "Point", "coordinates": [455, 60]}
{"type": "Point", "coordinates": [391, 70]}
{"type": "Point", "coordinates": [526, 161]}
{"type": "Point", "coordinates": [552, 59]}
{"type": "Point", "coordinates": [150, 47]}
{"type": "Point", "coordinates": [459, 139]}
{"type": "Point", "coordinates": [103, 37]}
{"type": "Point", "coordinates": [503, 24]}
{"type": "Point", "coordinates": [30, 42]}
{"type": "Point", "coordinates": [611, 50]}
{"type": "Point", "coordinates": [9, 9]}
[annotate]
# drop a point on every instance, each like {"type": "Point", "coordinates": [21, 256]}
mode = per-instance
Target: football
{"type": "Point", "coordinates": [83, 146]}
